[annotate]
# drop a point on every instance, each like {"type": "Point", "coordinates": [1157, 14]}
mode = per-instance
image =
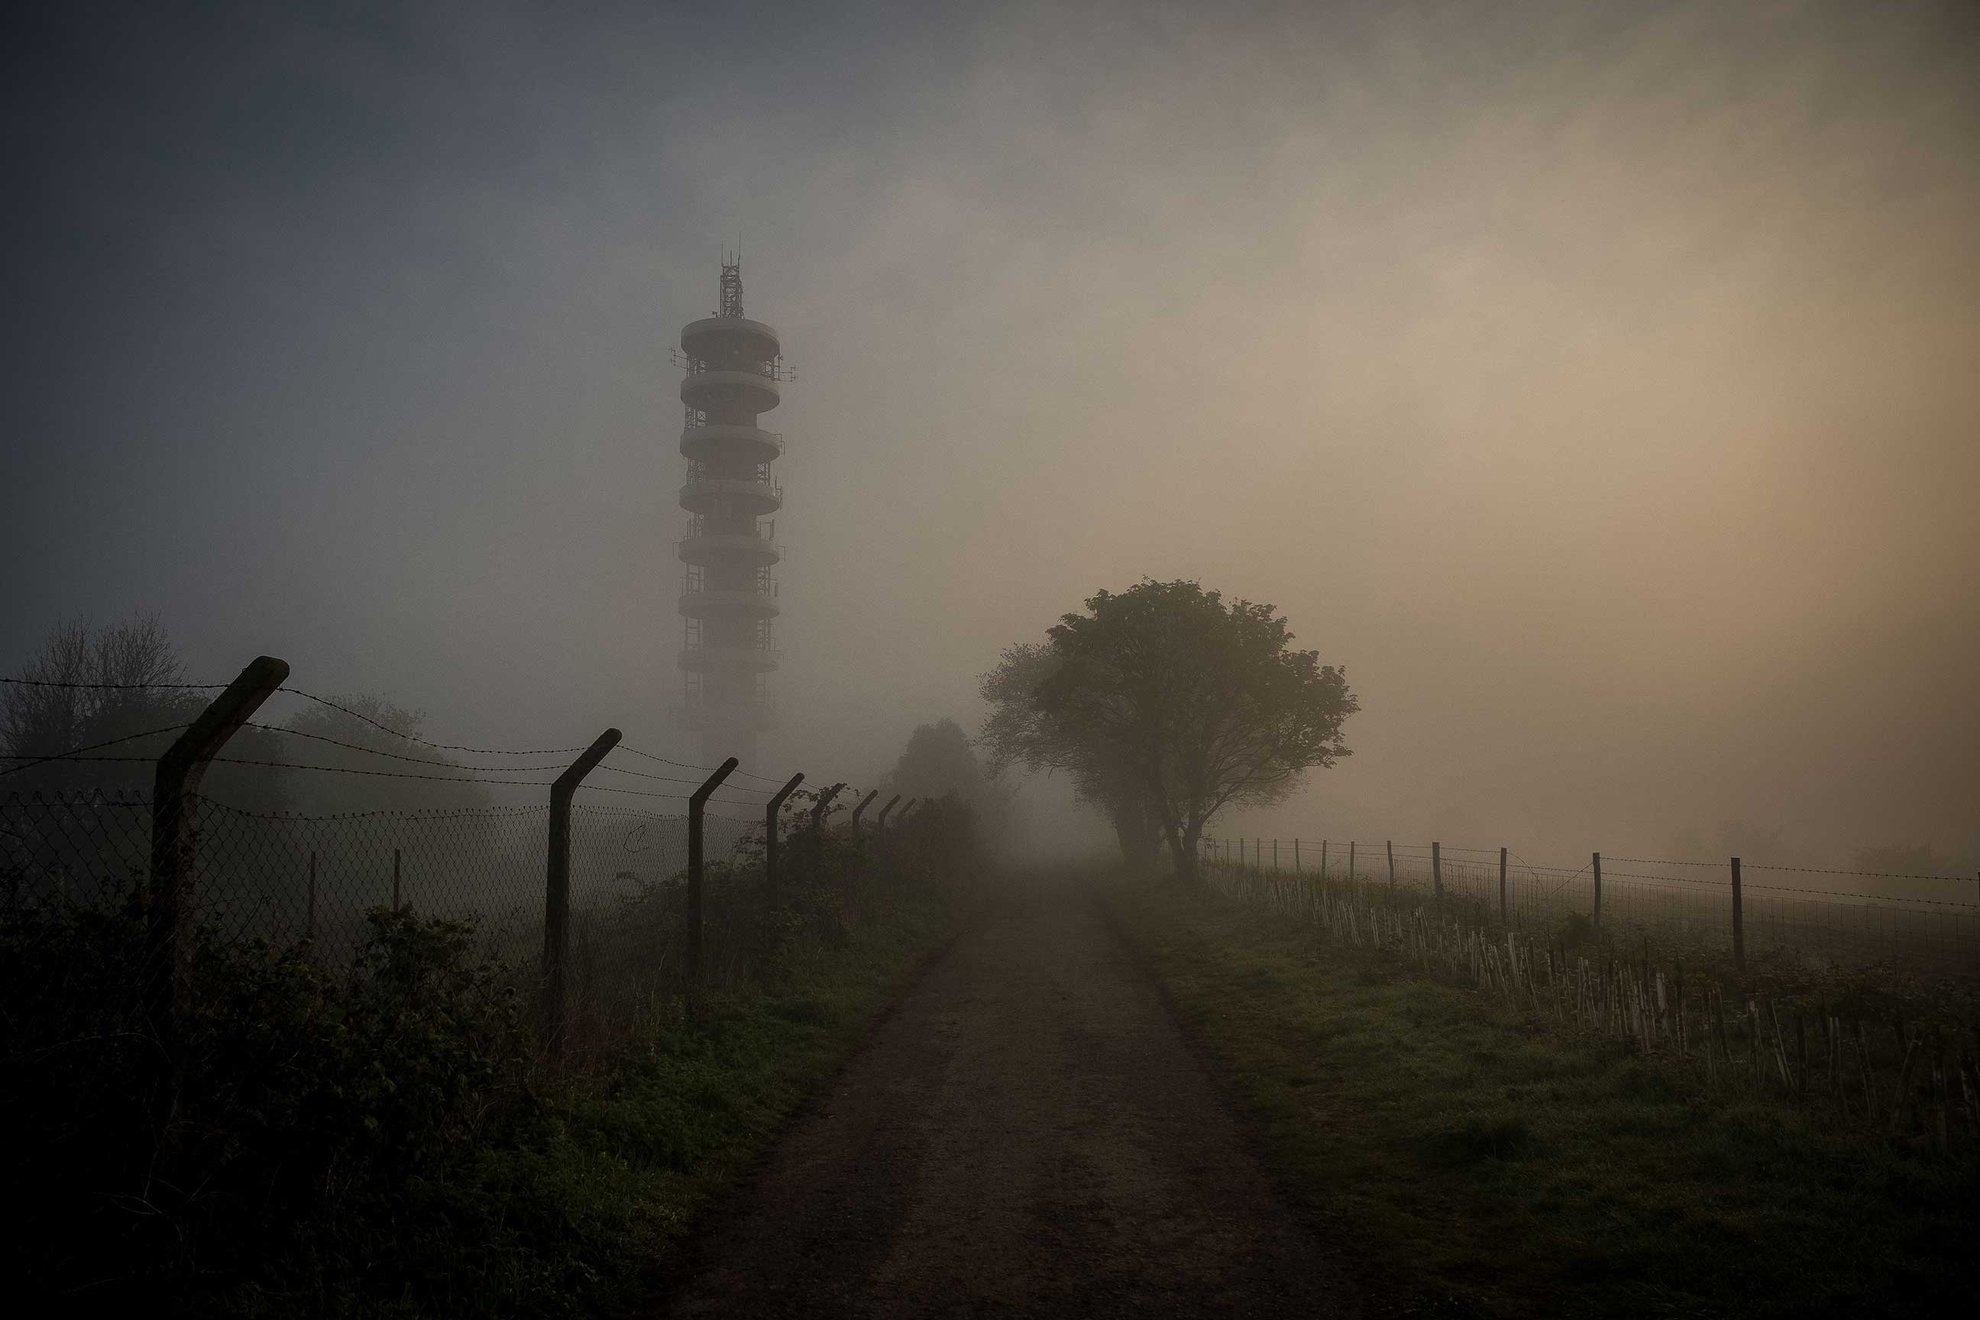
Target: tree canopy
{"type": "Point", "coordinates": [1167, 690]}
{"type": "Point", "coordinates": [938, 762]}
{"type": "Point", "coordinates": [1018, 732]}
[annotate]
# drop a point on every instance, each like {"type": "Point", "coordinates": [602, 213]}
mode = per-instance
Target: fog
{"type": "Point", "coordinates": [1596, 383]}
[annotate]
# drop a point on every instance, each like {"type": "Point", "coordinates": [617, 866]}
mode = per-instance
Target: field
{"type": "Point", "coordinates": [1478, 1158]}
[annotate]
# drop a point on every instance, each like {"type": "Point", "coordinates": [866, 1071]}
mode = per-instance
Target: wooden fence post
{"type": "Point", "coordinates": [1350, 875]}
{"type": "Point", "coordinates": [557, 889]}
{"type": "Point", "coordinates": [1502, 886]}
{"type": "Point", "coordinates": [770, 810]}
{"type": "Point", "coordinates": [1390, 846]}
{"type": "Point", "coordinates": [1275, 857]}
{"type": "Point", "coordinates": [1323, 861]}
{"type": "Point", "coordinates": [1739, 921]}
{"type": "Point", "coordinates": [1596, 862]}
{"type": "Point", "coordinates": [1437, 871]}
{"type": "Point", "coordinates": [1295, 856]}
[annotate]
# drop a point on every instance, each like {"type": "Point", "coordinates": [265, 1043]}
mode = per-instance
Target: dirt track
{"type": "Point", "coordinates": [1027, 1134]}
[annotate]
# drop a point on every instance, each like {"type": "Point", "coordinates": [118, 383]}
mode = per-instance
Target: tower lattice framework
{"type": "Point", "coordinates": [734, 369]}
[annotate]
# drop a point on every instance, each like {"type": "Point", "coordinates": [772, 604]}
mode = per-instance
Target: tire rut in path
{"type": "Point", "coordinates": [1027, 1134]}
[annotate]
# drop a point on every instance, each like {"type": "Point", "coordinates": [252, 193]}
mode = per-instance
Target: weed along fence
{"type": "Point", "coordinates": [1886, 1047]}
{"type": "Point", "coordinates": [629, 879]}
{"type": "Point", "coordinates": [1818, 917]}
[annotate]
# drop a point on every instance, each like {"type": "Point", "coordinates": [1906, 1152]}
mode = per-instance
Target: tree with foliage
{"type": "Point", "coordinates": [938, 762]}
{"type": "Point", "coordinates": [116, 690]}
{"type": "Point", "coordinates": [1017, 732]}
{"type": "Point", "coordinates": [1206, 703]}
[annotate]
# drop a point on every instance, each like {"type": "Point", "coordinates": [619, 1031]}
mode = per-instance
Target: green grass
{"type": "Point", "coordinates": [591, 1219]}
{"type": "Point", "coordinates": [1469, 1161]}
{"type": "Point", "coordinates": [390, 1144]}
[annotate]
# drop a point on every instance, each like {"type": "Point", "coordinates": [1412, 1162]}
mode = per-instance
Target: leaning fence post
{"type": "Point", "coordinates": [174, 862]}
{"type": "Point", "coordinates": [1502, 885]}
{"type": "Point", "coordinates": [1437, 871]}
{"type": "Point", "coordinates": [697, 807]}
{"type": "Point", "coordinates": [168, 915]}
{"type": "Point", "coordinates": [557, 888]}
{"type": "Point", "coordinates": [818, 810]}
{"type": "Point", "coordinates": [1739, 922]}
{"type": "Point", "coordinates": [1596, 862]}
{"type": "Point", "coordinates": [770, 810]}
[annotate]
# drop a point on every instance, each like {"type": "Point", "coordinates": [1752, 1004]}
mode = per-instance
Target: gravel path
{"type": "Point", "coordinates": [1027, 1134]}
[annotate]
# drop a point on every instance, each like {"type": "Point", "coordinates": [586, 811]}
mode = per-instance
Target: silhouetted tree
{"type": "Point", "coordinates": [1207, 702]}
{"type": "Point", "coordinates": [938, 762]}
{"type": "Point", "coordinates": [117, 685]}
{"type": "Point", "coordinates": [1017, 732]}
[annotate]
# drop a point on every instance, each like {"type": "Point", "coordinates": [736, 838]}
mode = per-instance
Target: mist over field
{"type": "Point", "coordinates": [1595, 383]}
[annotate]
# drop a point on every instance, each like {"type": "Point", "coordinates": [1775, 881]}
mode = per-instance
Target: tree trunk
{"type": "Point", "coordinates": [1181, 851]}
{"type": "Point", "coordinates": [1136, 833]}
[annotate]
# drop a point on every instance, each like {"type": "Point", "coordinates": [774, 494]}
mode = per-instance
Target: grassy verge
{"type": "Point", "coordinates": [1470, 1161]}
{"type": "Point", "coordinates": [645, 1150]}
{"type": "Point", "coordinates": [386, 1141]}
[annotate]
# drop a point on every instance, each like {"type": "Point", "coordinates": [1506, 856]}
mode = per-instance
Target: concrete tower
{"type": "Point", "coordinates": [734, 367]}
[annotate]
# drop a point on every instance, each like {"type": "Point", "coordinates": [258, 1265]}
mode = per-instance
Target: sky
{"type": "Point", "coordinates": [1599, 384]}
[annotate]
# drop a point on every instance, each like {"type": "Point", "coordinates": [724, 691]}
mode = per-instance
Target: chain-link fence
{"type": "Point", "coordinates": [306, 886]}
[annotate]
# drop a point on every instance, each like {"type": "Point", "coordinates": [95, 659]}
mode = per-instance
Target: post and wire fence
{"type": "Point", "coordinates": [1812, 916]}
{"type": "Point", "coordinates": [629, 879]}
{"type": "Point", "coordinates": [1857, 1002]}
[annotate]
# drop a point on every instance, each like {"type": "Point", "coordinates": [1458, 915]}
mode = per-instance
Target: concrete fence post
{"type": "Point", "coordinates": [174, 860]}
{"type": "Point", "coordinates": [697, 862]}
{"type": "Point", "coordinates": [1390, 846]}
{"type": "Point", "coordinates": [860, 810]}
{"type": "Point", "coordinates": [819, 808]}
{"type": "Point", "coordinates": [557, 889]}
{"type": "Point", "coordinates": [1503, 912]}
{"type": "Point", "coordinates": [167, 974]}
{"type": "Point", "coordinates": [1437, 872]}
{"type": "Point", "coordinates": [1595, 861]}
{"type": "Point", "coordinates": [770, 810]}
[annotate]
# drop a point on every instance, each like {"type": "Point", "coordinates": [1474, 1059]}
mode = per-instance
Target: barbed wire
{"type": "Point", "coordinates": [75, 754]}
{"type": "Point", "coordinates": [415, 738]}
{"type": "Point", "coordinates": [673, 779]}
{"type": "Point", "coordinates": [704, 769]}
{"type": "Point", "coordinates": [111, 687]}
{"type": "Point", "coordinates": [1607, 858]}
{"type": "Point", "coordinates": [400, 756]}
{"type": "Point", "coordinates": [408, 813]}
{"type": "Point", "coordinates": [1874, 875]}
